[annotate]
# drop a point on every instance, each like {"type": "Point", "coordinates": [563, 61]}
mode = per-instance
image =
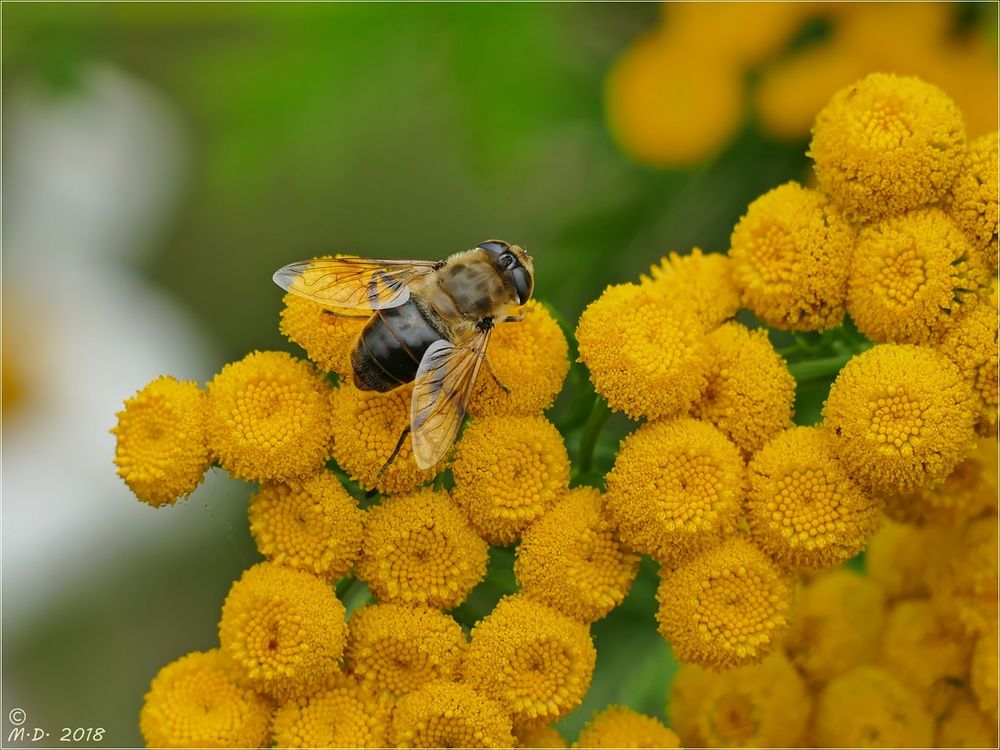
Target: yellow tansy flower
{"type": "Point", "coordinates": [337, 715]}
{"type": "Point", "coordinates": [750, 395]}
{"type": "Point", "coordinates": [972, 345]}
{"type": "Point", "coordinates": [962, 575]}
{"type": "Point", "coordinates": [284, 629]}
{"type": "Point", "coordinates": [887, 144]}
{"type": "Point", "coordinates": [676, 486]}
{"type": "Point", "coordinates": [419, 549]}
{"type": "Point", "coordinates": [530, 358]}
{"type": "Point", "coordinates": [902, 415]}
{"type": "Point", "coordinates": [313, 525]}
{"type": "Point", "coordinates": [913, 276]}
{"type": "Point", "coordinates": [836, 624]}
{"type": "Point", "coordinates": [735, 31]}
{"type": "Point", "coordinates": [327, 337]}
{"type": "Point", "coordinates": [726, 607]}
{"type": "Point", "coordinates": [447, 714]}
{"type": "Point", "coordinates": [896, 558]}
{"type": "Point", "coordinates": [571, 559]}
{"type": "Point", "coordinates": [762, 705]}
{"type": "Point", "coordinates": [269, 417]}
{"type": "Point", "coordinates": [162, 452]}
{"type": "Point", "coordinates": [535, 662]}
{"type": "Point", "coordinates": [620, 726]}
{"type": "Point", "coordinates": [983, 672]}
{"type": "Point", "coordinates": [197, 701]}
{"type": "Point", "coordinates": [539, 736]}
{"type": "Point", "coordinates": [367, 425]}
{"type": "Point", "coordinates": [703, 281]}
{"type": "Point", "coordinates": [972, 201]}
{"type": "Point", "coordinates": [394, 649]}
{"type": "Point", "coordinates": [802, 506]}
{"type": "Point", "coordinates": [791, 254]}
{"type": "Point", "coordinates": [645, 353]}
{"type": "Point", "coordinates": [508, 471]}
{"type": "Point", "coordinates": [965, 725]}
{"type": "Point", "coordinates": [868, 707]}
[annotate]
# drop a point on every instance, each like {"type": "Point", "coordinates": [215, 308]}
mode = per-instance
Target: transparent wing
{"type": "Point", "coordinates": [441, 392]}
{"type": "Point", "coordinates": [353, 283]}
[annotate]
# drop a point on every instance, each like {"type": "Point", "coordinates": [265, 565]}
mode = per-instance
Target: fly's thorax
{"type": "Point", "coordinates": [468, 288]}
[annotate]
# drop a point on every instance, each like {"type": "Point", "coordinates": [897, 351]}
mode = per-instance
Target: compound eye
{"type": "Point", "coordinates": [523, 283]}
{"type": "Point", "coordinates": [495, 247]}
{"type": "Point", "coordinates": [506, 261]}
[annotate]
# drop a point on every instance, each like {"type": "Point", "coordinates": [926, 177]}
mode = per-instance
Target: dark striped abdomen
{"type": "Point", "coordinates": [389, 348]}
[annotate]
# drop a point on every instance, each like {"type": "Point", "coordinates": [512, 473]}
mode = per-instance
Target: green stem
{"type": "Point", "coordinates": [817, 369]}
{"type": "Point", "coordinates": [599, 414]}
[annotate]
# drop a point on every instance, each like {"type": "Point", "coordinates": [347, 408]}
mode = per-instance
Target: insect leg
{"type": "Point", "coordinates": [336, 314]}
{"type": "Point", "coordinates": [395, 452]}
{"type": "Point", "coordinates": [493, 375]}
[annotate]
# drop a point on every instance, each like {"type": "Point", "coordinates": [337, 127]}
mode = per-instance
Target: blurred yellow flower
{"type": "Point", "coordinates": [539, 736]}
{"type": "Point", "coordinates": [896, 558]}
{"type": "Point", "coordinates": [269, 417]}
{"type": "Point", "coordinates": [313, 525]}
{"type": "Point", "coordinates": [791, 254]}
{"type": "Point", "coordinates": [645, 354]}
{"type": "Point", "coordinates": [726, 607]}
{"type": "Point", "coordinates": [530, 359]}
{"type": "Point", "coordinates": [447, 714]}
{"type": "Point", "coordinates": [571, 559]}
{"type": "Point", "coordinates": [887, 144]}
{"type": "Point", "coordinates": [802, 506]}
{"type": "Point", "coordinates": [620, 726]}
{"type": "Point", "coordinates": [284, 629]}
{"type": "Point", "coordinates": [702, 282]}
{"type": "Point", "coordinates": [983, 672]}
{"type": "Point", "coordinates": [508, 471]}
{"type": "Point", "coordinates": [913, 276]}
{"type": "Point", "coordinates": [965, 725]}
{"type": "Point", "coordinates": [327, 337]}
{"type": "Point", "coordinates": [972, 201]}
{"type": "Point", "coordinates": [750, 395]}
{"type": "Point", "coordinates": [676, 486]}
{"type": "Point", "coordinates": [971, 344]}
{"type": "Point", "coordinates": [535, 662]}
{"type": "Point", "coordinates": [665, 111]}
{"type": "Point", "coordinates": [903, 417]}
{"type": "Point", "coordinates": [197, 701]}
{"type": "Point", "coordinates": [338, 715]}
{"type": "Point", "coordinates": [836, 624]}
{"type": "Point", "coordinates": [868, 707]}
{"type": "Point", "coordinates": [962, 575]}
{"type": "Point", "coordinates": [762, 705]}
{"type": "Point", "coordinates": [419, 549]}
{"type": "Point", "coordinates": [742, 32]}
{"type": "Point", "coordinates": [366, 427]}
{"type": "Point", "coordinates": [162, 453]}
{"type": "Point", "coordinates": [394, 649]}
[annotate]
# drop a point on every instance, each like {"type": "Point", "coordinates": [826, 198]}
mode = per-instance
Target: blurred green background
{"type": "Point", "coordinates": [382, 130]}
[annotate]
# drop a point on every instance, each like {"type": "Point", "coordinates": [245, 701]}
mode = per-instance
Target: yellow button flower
{"type": "Point", "coordinates": [162, 452]}
{"type": "Point", "coordinates": [338, 715]}
{"type": "Point", "coordinates": [284, 629]}
{"type": "Point", "coordinates": [726, 607]}
{"type": "Point", "coordinates": [791, 254]}
{"type": "Point", "coordinates": [762, 705]}
{"type": "Point", "coordinates": [736, 31]}
{"type": "Point", "coordinates": [750, 395]}
{"type": "Point", "coordinates": [646, 354]}
{"type": "Point", "coordinates": [327, 337]}
{"type": "Point", "coordinates": [913, 276]}
{"type": "Point", "coordinates": [420, 550]}
{"type": "Point", "coordinates": [802, 506]}
{"type": "Point", "coordinates": [540, 736]}
{"type": "Point", "coordinates": [896, 558]}
{"type": "Point", "coordinates": [704, 281]}
{"type": "Point", "coordinates": [535, 662]}
{"type": "Point", "coordinates": [676, 486]}
{"type": "Point", "coordinates": [508, 471]}
{"type": "Point", "coordinates": [836, 624]}
{"type": "Point", "coordinates": [887, 144]}
{"type": "Point", "coordinates": [965, 725]}
{"type": "Point", "coordinates": [571, 559]}
{"type": "Point", "coordinates": [868, 707]}
{"type": "Point", "coordinates": [393, 649]}
{"type": "Point", "coordinates": [971, 344]}
{"type": "Point", "coordinates": [620, 726]}
{"type": "Point", "coordinates": [962, 575]}
{"type": "Point", "coordinates": [269, 417]}
{"type": "Point", "coordinates": [972, 201]}
{"type": "Point", "coordinates": [367, 425]}
{"type": "Point", "coordinates": [983, 672]}
{"type": "Point", "coordinates": [447, 714]}
{"type": "Point", "coordinates": [197, 701]}
{"type": "Point", "coordinates": [313, 525]}
{"type": "Point", "coordinates": [530, 358]}
{"type": "Point", "coordinates": [903, 417]}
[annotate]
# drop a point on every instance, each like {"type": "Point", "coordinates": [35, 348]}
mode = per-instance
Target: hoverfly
{"type": "Point", "coordinates": [430, 324]}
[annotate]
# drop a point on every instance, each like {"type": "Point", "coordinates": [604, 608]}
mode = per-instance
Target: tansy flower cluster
{"type": "Point", "coordinates": [379, 615]}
